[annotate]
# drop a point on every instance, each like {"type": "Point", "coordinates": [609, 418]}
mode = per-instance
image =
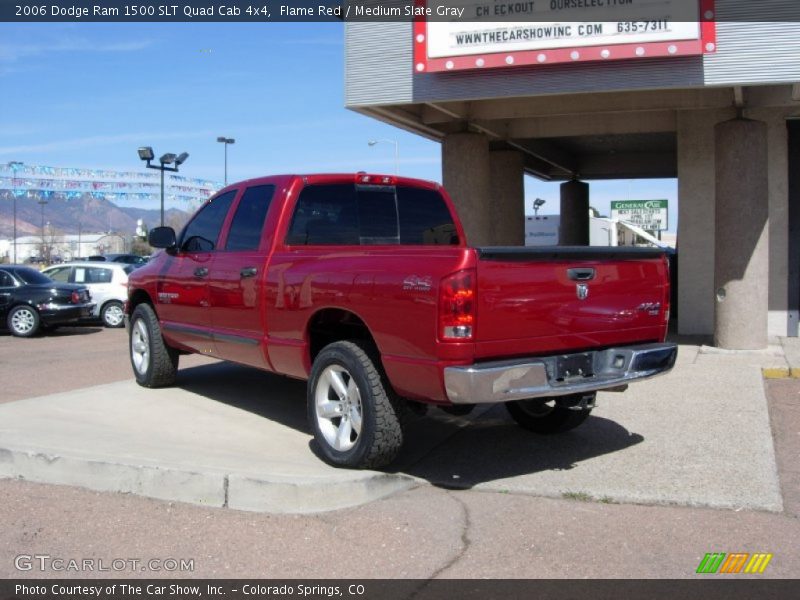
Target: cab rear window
{"type": "Point", "coordinates": [350, 214]}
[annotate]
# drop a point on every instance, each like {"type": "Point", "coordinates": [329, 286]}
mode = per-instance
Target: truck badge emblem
{"type": "Point", "coordinates": [582, 291]}
{"type": "Point", "coordinates": [415, 283]}
{"type": "Point", "coordinates": [651, 308]}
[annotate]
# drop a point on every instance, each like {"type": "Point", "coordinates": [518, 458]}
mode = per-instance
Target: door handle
{"type": "Point", "coordinates": [248, 272]}
{"type": "Point", "coordinates": [200, 272]}
{"type": "Point", "coordinates": [581, 274]}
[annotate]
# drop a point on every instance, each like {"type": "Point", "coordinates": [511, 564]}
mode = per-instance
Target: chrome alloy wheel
{"type": "Point", "coordinates": [140, 347]}
{"type": "Point", "coordinates": [23, 321]}
{"type": "Point", "coordinates": [338, 408]}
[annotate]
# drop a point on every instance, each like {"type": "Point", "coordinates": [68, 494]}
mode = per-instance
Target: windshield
{"type": "Point", "coordinates": [32, 276]}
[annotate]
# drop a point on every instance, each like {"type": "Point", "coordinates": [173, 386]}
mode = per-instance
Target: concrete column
{"type": "Point", "coordinates": [695, 308]}
{"type": "Point", "coordinates": [506, 175]}
{"type": "Point", "coordinates": [783, 274]}
{"type": "Point", "coordinates": [573, 228]}
{"type": "Point", "coordinates": [741, 253]}
{"type": "Point", "coordinates": [465, 174]}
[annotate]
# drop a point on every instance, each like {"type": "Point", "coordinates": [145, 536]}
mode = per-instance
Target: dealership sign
{"type": "Point", "coordinates": [650, 215]}
{"type": "Point", "coordinates": [492, 33]}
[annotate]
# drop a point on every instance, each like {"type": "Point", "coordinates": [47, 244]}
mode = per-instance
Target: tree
{"type": "Point", "coordinates": [49, 246]}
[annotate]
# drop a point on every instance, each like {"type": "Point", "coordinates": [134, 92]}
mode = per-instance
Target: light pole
{"type": "Point", "coordinates": [42, 202]}
{"type": "Point", "coordinates": [537, 204]}
{"type": "Point", "coordinates": [15, 166]}
{"type": "Point", "coordinates": [226, 141]}
{"type": "Point", "coordinates": [396, 152]}
{"type": "Point", "coordinates": [146, 154]}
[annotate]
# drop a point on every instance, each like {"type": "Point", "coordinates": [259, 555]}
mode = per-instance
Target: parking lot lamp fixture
{"type": "Point", "coordinates": [146, 154]}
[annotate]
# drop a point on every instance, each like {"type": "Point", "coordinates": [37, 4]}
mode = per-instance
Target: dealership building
{"type": "Point", "coordinates": [616, 90]}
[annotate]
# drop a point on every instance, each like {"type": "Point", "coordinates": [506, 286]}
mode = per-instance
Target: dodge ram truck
{"type": "Point", "coordinates": [364, 286]}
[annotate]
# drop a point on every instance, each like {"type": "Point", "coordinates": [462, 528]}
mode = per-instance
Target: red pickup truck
{"type": "Point", "coordinates": [364, 285]}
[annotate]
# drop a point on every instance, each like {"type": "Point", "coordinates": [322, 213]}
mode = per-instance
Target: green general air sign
{"type": "Point", "coordinates": [650, 215]}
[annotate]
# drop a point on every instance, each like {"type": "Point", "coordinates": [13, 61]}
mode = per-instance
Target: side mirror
{"type": "Point", "coordinates": [162, 237]}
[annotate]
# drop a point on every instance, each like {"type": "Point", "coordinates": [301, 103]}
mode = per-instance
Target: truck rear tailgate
{"type": "Point", "coordinates": [555, 299]}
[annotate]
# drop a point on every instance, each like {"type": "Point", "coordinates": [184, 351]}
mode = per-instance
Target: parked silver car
{"type": "Point", "coordinates": [108, 283]}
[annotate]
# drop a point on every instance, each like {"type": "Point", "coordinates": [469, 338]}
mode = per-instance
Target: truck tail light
{"type": "Point", "coordinates": [457, 307]}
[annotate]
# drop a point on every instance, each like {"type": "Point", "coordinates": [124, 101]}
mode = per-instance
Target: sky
{"type": "Point", "coordinates": [87, 95]}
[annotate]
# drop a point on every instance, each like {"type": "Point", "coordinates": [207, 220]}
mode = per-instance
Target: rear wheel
{"type": "Point", "coordinates": [154, 363]}
{"type": "Point", "coordinates": [23, 321]}
{"type": "Point", "coordinates": [112, 315]}
{"type": "Point", "coordinates": [352, 410]}
{"type": "Point", "coordinates": [551, 415]}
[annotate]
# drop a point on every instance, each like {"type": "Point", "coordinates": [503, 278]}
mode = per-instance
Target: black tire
{"type": "Point", "coordinates": [23, 321]}
{"type": "Point", "coordinates": [369, 432]}
{"type": "Point", "coordinates": [545, 415]}
{"type": "Point", "coordinates": [154, 363]}
{"type": "Point", "coordinates": [111, 314]}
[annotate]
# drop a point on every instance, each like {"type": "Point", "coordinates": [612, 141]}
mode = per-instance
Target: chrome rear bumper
{"type": "Point", "coordinates": [540, 377]}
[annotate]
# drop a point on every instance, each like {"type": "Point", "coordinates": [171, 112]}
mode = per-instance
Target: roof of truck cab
{"type": "Point", "coordinates": [318, 178]}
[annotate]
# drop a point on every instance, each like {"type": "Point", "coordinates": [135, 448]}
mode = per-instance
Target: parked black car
{"type": "Point", "coordinates": [30, 301]}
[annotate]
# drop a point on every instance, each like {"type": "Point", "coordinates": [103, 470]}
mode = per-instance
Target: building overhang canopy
{"type": "Point", "coordinates": [614, 135]}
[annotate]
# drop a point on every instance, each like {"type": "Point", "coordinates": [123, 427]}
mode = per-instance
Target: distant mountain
{"type": "Point", "coordinates": [89, 214]}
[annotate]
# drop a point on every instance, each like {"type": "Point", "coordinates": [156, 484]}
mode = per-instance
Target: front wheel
{"type": "Point", "coordinates": [352, 410]}
{"type": "Point", "coordinates": [112, 315]}
{"type": "Point", "coordinates": [23, 321]}
{"type": "Point", "coordinates": [154, 363]}
{"type": "Point", "coordinates": [551, 415]}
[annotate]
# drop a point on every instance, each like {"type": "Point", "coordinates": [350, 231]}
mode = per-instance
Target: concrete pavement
{"type": "Point", "coordinates": [214, 449]}
{"type": "Point", "coordinates": [230, 436]}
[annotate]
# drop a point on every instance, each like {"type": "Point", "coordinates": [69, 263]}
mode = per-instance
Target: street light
{"type": "Point", "coordinates": [42, 201]}
{"type": "Point", "coordinates": [537, 204]}
{"type": "Point", "coordinates": [146, 154]}
{"type": "Point", "coordinates": [226, 141]}
{"type": "Point", "coordinates": [15, 166]}
{"type": "Point", "coordinates": [396, 152]}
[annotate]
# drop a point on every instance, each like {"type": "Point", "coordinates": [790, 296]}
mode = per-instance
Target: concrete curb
{"type": "Point", "coordinates": [205, 488]}
{"type": "Point", "coordinates": [299, 497]}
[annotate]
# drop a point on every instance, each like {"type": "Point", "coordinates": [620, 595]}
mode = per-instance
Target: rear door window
{"type": "Point", "coordinates": [99, 275]}
{"type": "Point", "coordinates": [6, 280]}
{"type": "Point", "coordinates": [248, 221]}
{"type": "Point", "coordinates": [202, 232]}
{"type": "Point", "coordinates": [325, 215]}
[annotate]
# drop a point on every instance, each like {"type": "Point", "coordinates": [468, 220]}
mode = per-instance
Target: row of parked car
{"type": "Point", "coordinates": [32, 301]}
